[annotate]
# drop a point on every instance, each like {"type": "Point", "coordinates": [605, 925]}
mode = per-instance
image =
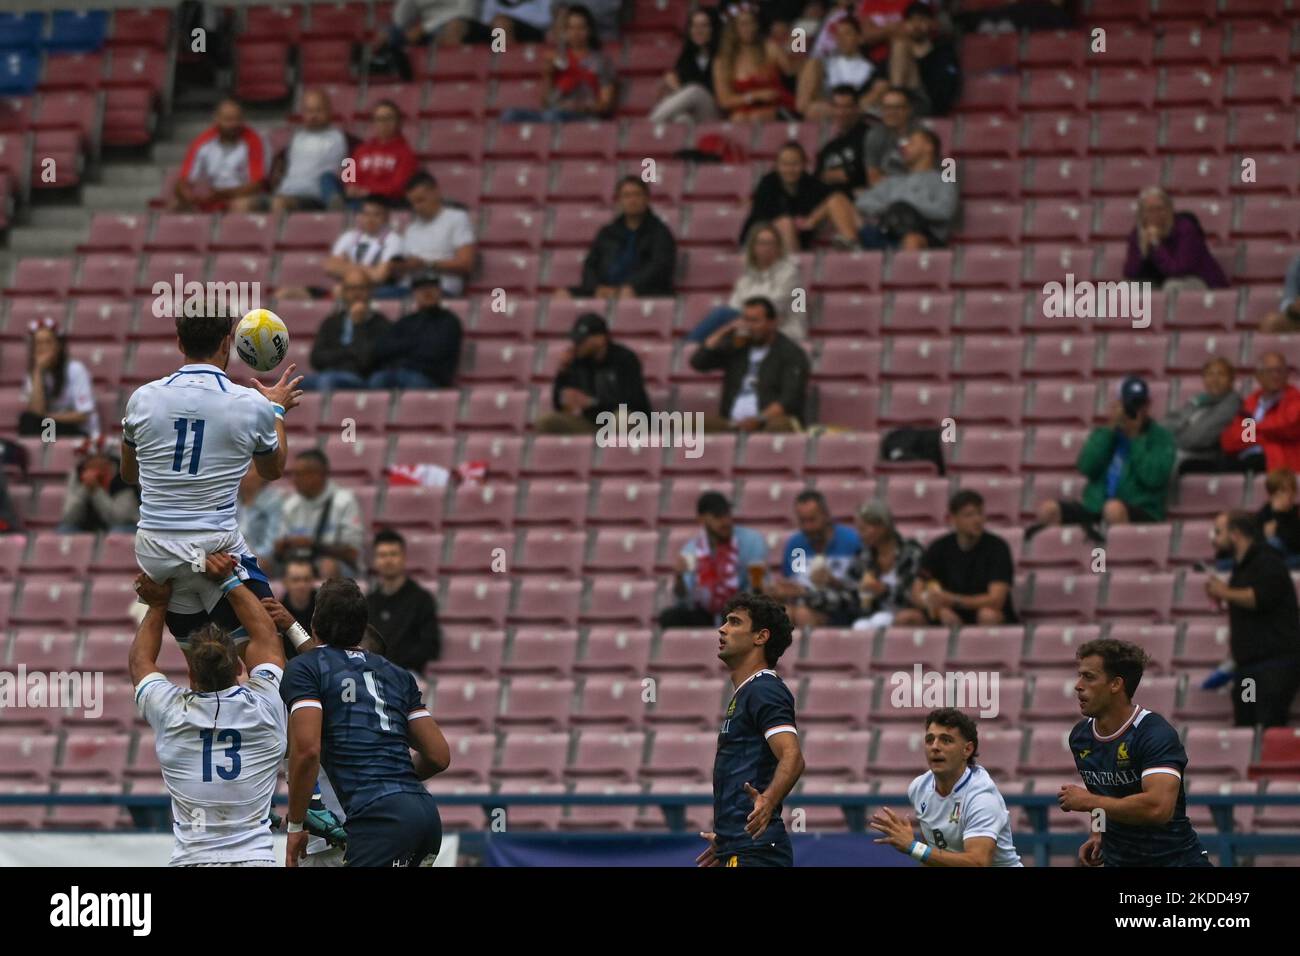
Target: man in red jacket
{"type": "Point", "coordinates": [1274, 410]}
{"type": "Point", "coordinates": [225, 167]}
{"type": "Point", "coordinates": [385, 162]}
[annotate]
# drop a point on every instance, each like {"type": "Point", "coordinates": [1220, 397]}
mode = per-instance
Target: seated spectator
{"type": "Point", "coordinates": [884, 570]}
{"type": "Point", "coordinates": [416, 22]}
{"type": "Point", "coordinates": [765, 374]}
{"type": "Point", "coordinates": [370, 244]}
{"type": "Point", "coordinates": [820, 23]}
{"type": "Point", "coordinates": [299, 594]}
{"type": "Point", "coordinates": [384, 163]}
{"type": "Point", "coordinates": [841, 163]}
{"type": "Point", "coordinates": [523, 21]}
{"type": "Point", "coordinates": [1168, 249]}
{"type": "Point", "coordinates": [439, 236]}
{"type": "Point", "coordinates": [404, 613]}
{"type": "Point", "coordinates": [55, 387]}
{"type": "Point", "coordinates": [596, 375]}
{"type": "Point", "coordinates": [816, 560]}
{"type": "Point", "coordinates": [343, 351]}
{"type": "Point", "coordinates": [97, 498]}
{"type": "Point", "coordinates": [689, 84]}
{"type": "Point", "coordinates": [749, 72]}
{"type": "Point", "coordinates": [1197, 425]}
{"type": "Point", "coordinates": [230, 159]}
{"type": "Point", "coordinates": [787, 197]}
{"type": "Point", "coordinates": [966, 575]}
{"type": "Point", "coordinates": [714, 566]}
{"type": "Point", "coordinates": [1127, 462]}
{"type": "Point", "coordinates": [882, 153]}
{"type": "Point", "coordinates": [847, 67]}
{"type": "Point", "coordinates": [578, 80]}
{"type": "Point", "coordinates": [1273, 441]}
{"type": "Point", "coordinates": [924, 63]}
{"type": "Point", "coordinates": [633, 255]}
{"type": "Point", "coordinates": [913, 210]}
{"type": "Point", "coordinates": [321, 521]}
{"type": "Point", "coordinates": [1279, 519]}
{"type": "Point", "coordinates": [258, 509]}
{"type": "Point", "coordinates": [769, 273]}
{"type": "Point", "coordinates": [1287, 316]}
{"type": "Point", "coordinates": [306, 175]}
{"type": "Point", "coordinates": [422, 348]}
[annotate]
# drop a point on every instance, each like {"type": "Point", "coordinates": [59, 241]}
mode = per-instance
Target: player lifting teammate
{"type": "Point", "coordinates": [1132, 765]}
{"type": "Point", "coordinates": [758, 760]}
{"type": "Point", "coordinates": [962, 816]}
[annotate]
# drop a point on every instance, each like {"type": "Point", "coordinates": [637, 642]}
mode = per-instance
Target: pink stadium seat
{"type": "Point", "coordinates": [474, 600]}
{"type": "Point", "coordinates": [494, 408]}
{"type": "Point", "coordinates": [614, 650]}
{"type": "Point", "coordinates": [680, 754]}
{"type": "Point", "coordinates": [1194, 131]}
{"type": "Point", "coordinates": [1191, 86]}
{"type": "Point", "coordinates": [928, 268]}
{"type": "Point", "coordinates": [988, 449]}
{"type": "Point", "coordinates": [539, 703]}
{"type": "Point", "coordinates": [531, 755]}
{"type": "Point", "coordinates": [539, 600]}
{"type": "Point", "coordinates": [54, 553]}
{"type": "Point", "coordinates": [1058, 595]}
{"type": "Point", "coordinates": [613, 701]}
{"type": "Point", "coordinates": [992, 221]}
{"type": "Point", "coordinates": [633, 502]}
{"type": "Point", "coordinates": [94, 755]}
{"type": "Point", "coordinates": [616, 549]}
{"type": "Point", "coordinates": [476, 551]}
{"type": "Point", "coordinates": [897, 750]}
{"type": "Point", "coordinates": [614, 600]}
{"type": "Point", "coordinates": [607, 756]}
{"type": "Point", "coordinates": [837, 701]}
{"type": "Point", "coordinates": [836, 650]}
{"type": "Point", "coordinates": [685, 651]}
{"type": "Point", "coordinates": [991, 178]}
{"type": "Point", "coordinates": [836, 753]}
{"type": "Point", "coordinates": [901, 648]}
{"type": "Point", "coordinates": [685, 701]}
{"type": "Point", "coordinates": [1260, 42]}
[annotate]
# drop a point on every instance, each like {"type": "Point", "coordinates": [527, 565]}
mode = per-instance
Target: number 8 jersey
{"type": "Point", "coordinates": [220, 754]}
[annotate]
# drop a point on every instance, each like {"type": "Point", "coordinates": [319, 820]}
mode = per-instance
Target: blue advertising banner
{"type": "Point", "coordinates": [670, 849]}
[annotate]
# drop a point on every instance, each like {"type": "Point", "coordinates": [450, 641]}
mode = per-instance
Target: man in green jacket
{"type": "Point", "coordinates": [1127, 463]}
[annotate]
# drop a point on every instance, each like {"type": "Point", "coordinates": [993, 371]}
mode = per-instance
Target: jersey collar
{"type": "Point", "coordinates": [1092, 722]}
{"type": "Point", "coordinates": [765, 670]}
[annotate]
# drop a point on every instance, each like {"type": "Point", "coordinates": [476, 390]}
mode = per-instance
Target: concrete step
{"type": "Point", "coordinates": [44, 241]}
{"type": "Point", "coordinates": [131, 175]}
{"type": "Point", "coordinates": [118, 198]}
{"type": "Point", "coordinates": [170, 154]}
{"type": "Point", "coordinates": [59, 217]}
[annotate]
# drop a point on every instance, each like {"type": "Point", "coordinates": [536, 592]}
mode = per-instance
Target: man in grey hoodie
{"type": "Point", "coordinates": [910, 210]}
{"type": "Point", "coordinates": [1197, 425]}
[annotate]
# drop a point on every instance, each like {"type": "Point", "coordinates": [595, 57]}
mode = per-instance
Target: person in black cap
{"type": "Point", "coordinates": [714, 566]}
{"type": "Point", "coordinates": [595, 375]}
{"type": "Point", "coordinates": [633, 255]}
{"type": "Point", "coordinates": [422, 349]}
{"type": "Point", "coordinates": [1127, 463]}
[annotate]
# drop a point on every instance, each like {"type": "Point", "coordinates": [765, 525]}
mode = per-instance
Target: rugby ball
{"type": "Point", "coordinates": [262, 340]}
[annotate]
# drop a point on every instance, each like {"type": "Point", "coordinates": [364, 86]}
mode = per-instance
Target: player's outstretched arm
{"type": "Point", "coordinates": [286, 394]}
{"type": "Point", "coordinates": [432, 753]}
{"type": "Point", "coordinates": [789, 768]}
{"type": "Point", "coordinates": [143, 657]}
{"type": "Point", "coordinates": [1153, 807]}
{"type": "Point", "coordinates": [130, 467]}
{"type": "Point", "coordinates": [304, 767]}
{"type": "Point", "coordinates": [263, 645]}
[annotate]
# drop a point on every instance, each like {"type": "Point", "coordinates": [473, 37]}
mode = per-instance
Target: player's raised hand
{"type": "Point", "coordinates": [280, 616]}
{"type": "Point", "coordinates": [709, 857]}
{"type": "Point", "coordinates": [1090, 852]}
{"type": "Point", "coordinates": [761, 815]}
{"type": "Point", "coordinates": [297, 848]}
{"type": "Point", "coordinates": [1074, 798]}
{"type": "Point", "coordinates": [218, 567]}
{"type": "Point", "coordinates": [284, 392]}
{"type": "Point", "coordinates": [897, 830]}
{"type": "Point", "coordinates": [151, 592]}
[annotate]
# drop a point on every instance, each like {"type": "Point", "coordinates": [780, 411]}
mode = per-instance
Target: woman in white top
{"type": "Point", "coordinates": [769, 272]}
{"type": "Point", "coordinates": [845, 65]}
{"type": "Point", "coordinates": [56, 387]}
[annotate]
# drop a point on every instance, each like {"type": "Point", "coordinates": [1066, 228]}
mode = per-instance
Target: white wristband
{"type": "Point", "coordinates": [298, 635]}
{"type": "Point", "coordinates": [293, 828]}
{"type": "Point", "coordinates": [919, 851]}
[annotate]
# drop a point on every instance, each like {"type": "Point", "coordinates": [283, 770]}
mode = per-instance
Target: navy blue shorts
{"type": "Point", "coordinates": [780, 853]}
{"type": "Point", "coordinates": [1198, 856]}
{"type": "Point", "coordinates": [397, 830]}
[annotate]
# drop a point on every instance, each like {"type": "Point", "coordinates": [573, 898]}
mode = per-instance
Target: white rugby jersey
{"type": "Point", "coordinates": [193, 433]}
{"type": "Point", "coordinates": [220, 753]}
{"type": "Point", "coordinates": [974, 808]}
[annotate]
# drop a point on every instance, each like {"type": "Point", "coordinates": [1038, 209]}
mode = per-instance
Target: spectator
{"type": "Point", "coordinates": [321, 521]}
{"type": "Point", "coordinates": [10, 521]}
{"type": "Point", "coordinates": [97, 498]}
{"type": "Point", "coordinates": [925, 63]}
{"type": "Point", "coordinates": [299, 594]}
{"type": "Point", "coordinates": [714, 566]}
{"type": "Point", "coordinates": [416, 22]}
{"type": "Point", "coordinates": [689, 84]}
{"type": "Point", "coordinates": [787, 197]}
{"type": "Point", "coordinates": [818, 21]}
{"type": "Point", "coordinates": [523, 21]}
{"type": "Point", "coordinates": [56, 387]}
{"type": "Point", "coordinates": [1273, 440]}
{"type": "Point", "coordinates": [1279, 519]}
{"type": "Point", "coordinates": [404, 613]}
{"type": "Point", "coordinates": [841, 163]}
{"type": "Point", "coordinates": [965, 576]}
{"type": "Point", "coordinates": [884, 570]}
{"type": "Point", "coordinates": [578, 81]}
{"type": "Point", "coordinates": [258, 509]}
{"type": "Point", "coordinates": [1263, 627]}
{"type": "Point", "coordinates": [633, 255]}
{"type": "Point", "coordinates": [370, 244]}
{"type": "Point", "coordinates": [881, 147]}
{"type": "Point", "coordinates": [1287, 317]}
{"type": "Point", "coordinates": [385, 162]}
{"type": "Point", "coordinates": [595, 375]}
{"type": "Point", "coordinates": [765, 374]}
{"type": "Point", "coordinates": [1197, 425]}
{"type": "Point", "coordinates": [1168, 249]}
{"type": "Point", "coordinates": [769, 273]}
{"type": "Point", "coordinates": [748, 74]}
{"type": "Point", "coordinates": [1127, 463]}
{"type": "Point", "coordinates": [343, 351]}
{"type": "Point", "coordinates": [306, 174]}
{"type": "Point", "coordinates": [439, 236]}
{"type": "Point", "coordinates": [816, 559]}
{"type": "Point", "coordinates": [913, 210]}
{"type": "Point", "coordinates": [846, 67]}
{"type": "Point", "coordinates": [422, 349]}
{"type": "Point", "coordinates": [231, 159]}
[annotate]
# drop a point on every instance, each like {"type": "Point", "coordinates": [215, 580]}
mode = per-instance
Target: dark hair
{"type": "Point", "coordinates": [635, 181]}
{"type": "Point", "coordinates": [214, 662]}
{"type": "Point", "coordinates": [1118, 659]}
{"type": "Point", "coordinates": [762, 302]}
{"type": "Point", "coordinates": [299, 559]}
{"type": "Point", "coordinates": [713, 503]}
{"type": "Point", "coordinates": [201, 335]}
{"type": "Point", "coordinates": [374, 641]}
{"type": "Point", "coordinates": [844, 89]}
{"type": "Point", "coordinates": [341, 614]}
{"type": "Point", "coordinates": [420, 179]}
{"type": "Point", "coordinates": [812, 494]}
{"type": "Point", "coordinates": [1244, 523]}
{"type": "Point", "coordinates": [917, 8]}
{"type": "Point", "coordinates": [593, 34]}
{"type": "Point", "coordinates": [316, 455]}
{"type": "Point", "coordinates": [964, 499]}
{"type": "Point", "coordinates": [689, 48]}
{"type": "Point", "coordinates": [935, 143]}
{"type": "Point", "coordinates": [765, 614]}
{"type": "Point", "coordinates": [389, 536]}
{"type": "Point", "coordinates": [374, 199]}
{"type": "Point", "coordinates": [952, 717]}
{"type": "Point", "coordinates": [392, 106]}
{"type": "Point", "coordinates": [60, 370]}
{"type": "Point", "coordinates": [851, 20]}
{"type": "Point", "coordinates": [793, 144]}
